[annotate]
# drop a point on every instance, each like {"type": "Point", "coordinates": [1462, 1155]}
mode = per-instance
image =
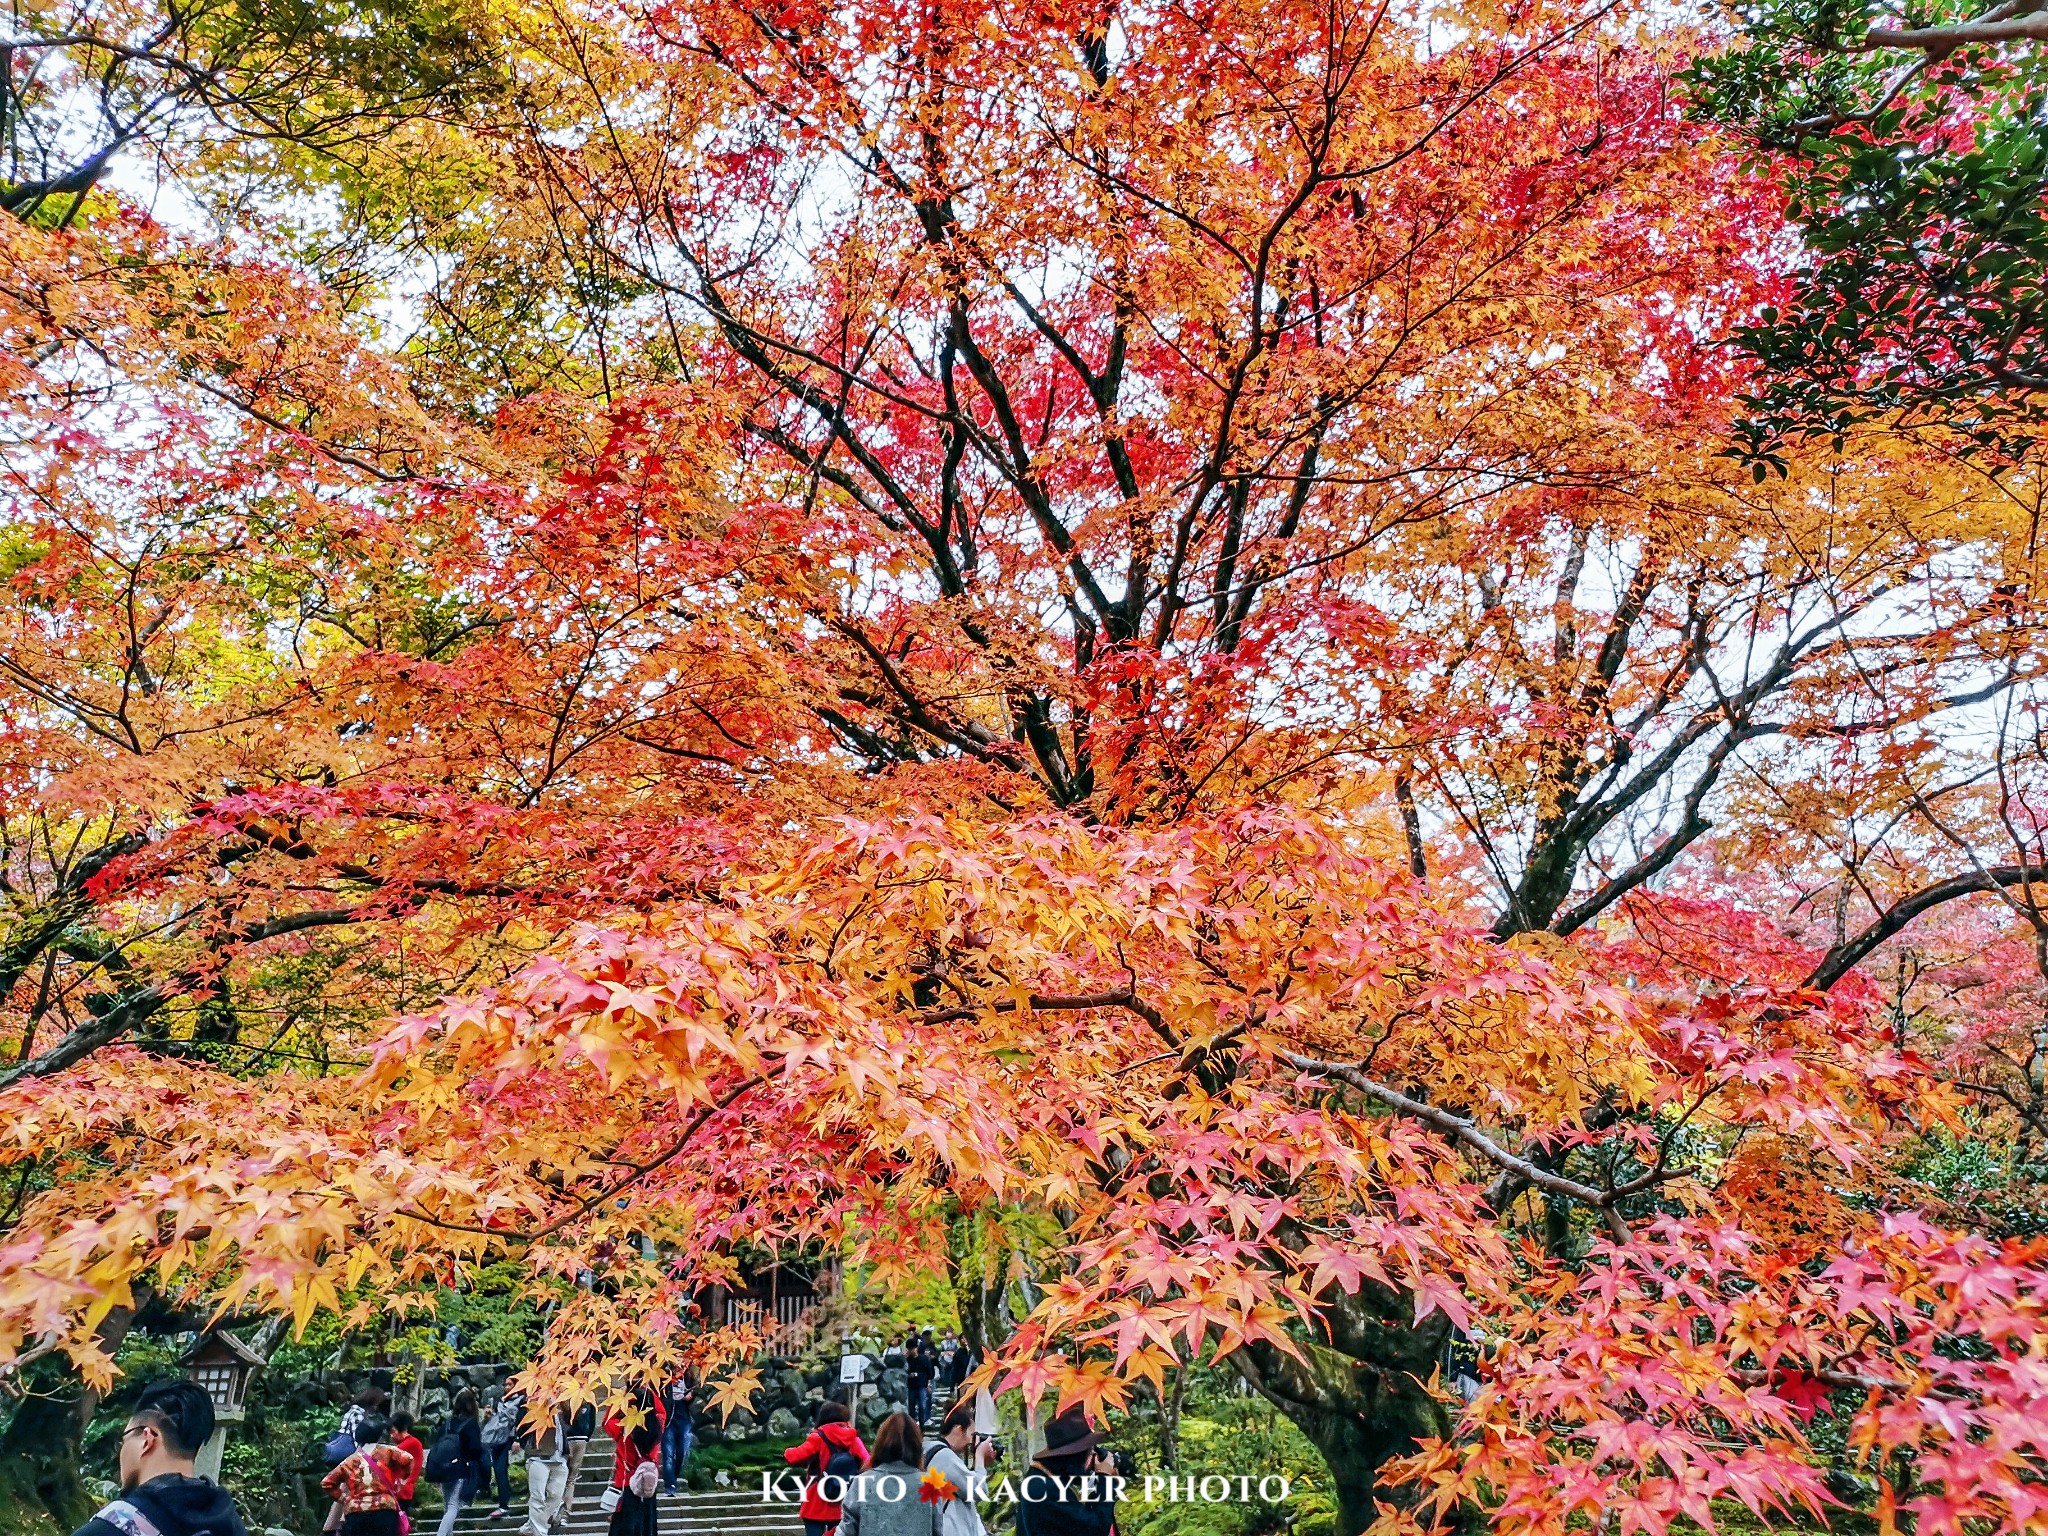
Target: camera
{"type": "Point", "coordinates": [1125, 1463]}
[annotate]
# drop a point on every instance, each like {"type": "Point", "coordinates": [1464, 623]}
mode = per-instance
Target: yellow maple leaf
{"type": "Point", "coordinates": [734, 1392]}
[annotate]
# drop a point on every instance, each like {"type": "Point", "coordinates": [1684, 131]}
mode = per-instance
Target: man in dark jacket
{"type": "Point", "coordinates": [919, 1372]}
{"type": "Point", "coordinates": [159, 1494]}
{"type": "Point", "coordinates": [1071, 1487]}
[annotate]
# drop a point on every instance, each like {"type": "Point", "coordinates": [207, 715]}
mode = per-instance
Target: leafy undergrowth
{"type": "Point", "coordinates": [1234, 1437]}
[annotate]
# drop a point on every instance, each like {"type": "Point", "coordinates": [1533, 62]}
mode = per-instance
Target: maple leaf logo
{"type": "Point", "coordinates": [935, 1488]}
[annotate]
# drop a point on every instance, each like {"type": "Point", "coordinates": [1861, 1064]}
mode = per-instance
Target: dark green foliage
{"type": "Point", "coordinates": [1916, 178]}
{"type": "Point", "coordinates": [1982, 1174]}
{"type": "Point", "coordinates": [492, 1316]}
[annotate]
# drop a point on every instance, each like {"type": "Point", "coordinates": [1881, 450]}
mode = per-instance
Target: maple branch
{"type": "Point", "coordinates": [409, 889]}
{"type": "Point", "coordinates": [1459, 1129]}
{"type": "Point", "coordinates": [25, 196]}
{"type": "Point", "coordinates": [1850, 953]}
{"type": "Point", "coordinates": [638, 1172]}
{"type": "Point", "coordinates": [1017, 467]}
{"type": "Point", "coordinates": [967, 736]}
{"type": "Point", "coordinates": [1692, 824]}
{"type": "Point", "coordinates": [1549, 874]}
{"type": "Point", "coordinates": [1040, 1002]}
{"type": "Point", "coordinates": [126, 1010]}
{"type": "Point", "coordinates": [81, 1042]}
{"type": "Point", "coordinates": [279, 424]}
{"type": "Point", "coordinates": [2026, 1110]}
{"type": "Point", "coordinates": [29, 937]}
{"type": "Point", "coordinates": [666, 749]}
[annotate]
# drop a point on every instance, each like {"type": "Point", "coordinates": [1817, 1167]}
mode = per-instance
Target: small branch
{"type": "Point", "coordinates": [132, 1008]}
{"type": "Point", "coordinates": [1942, 40]}
{"type": "Point", "coordinates": [1850, 953]}
{"type": "Point", "coordinates": [1854, 1381]}
{"type": "Point", "coordinates": [1833, 120]}
{"type": "Point", "coordinates": [87, 1038]}
{"type": "Point", "coordinates": [1041, 1003]}
{"type": "Point", "coordinates": [1459, 1129]}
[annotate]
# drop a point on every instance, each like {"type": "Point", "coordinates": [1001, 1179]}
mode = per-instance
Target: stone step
{"type": "Point", "coordinates": [743, 1490]}
{"type": "Point", "coordinates": [717, 1512]}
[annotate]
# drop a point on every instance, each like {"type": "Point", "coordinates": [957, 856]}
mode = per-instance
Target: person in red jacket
{"type": "Point", "coordinates": [834, 1434]}
{"type": "Point", "coordinates": [634, 1515]}
{"type": "Point", "coordinates": [408, 1442]}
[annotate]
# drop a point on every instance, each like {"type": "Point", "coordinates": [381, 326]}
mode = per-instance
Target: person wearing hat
{"type": "Point", "coordinates": [1066, 1491]}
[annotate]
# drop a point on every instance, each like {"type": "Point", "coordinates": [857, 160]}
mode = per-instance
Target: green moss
{"type": "Point", "coordinates": [743, 1463]}
{"type": "Point", "coordinates": [22, 1511]}
{"type": "Point", "coordinates": [920, 1301]}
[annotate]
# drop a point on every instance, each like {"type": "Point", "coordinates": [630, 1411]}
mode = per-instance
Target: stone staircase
{"type": "Point", "coordinates": [736, 1511]}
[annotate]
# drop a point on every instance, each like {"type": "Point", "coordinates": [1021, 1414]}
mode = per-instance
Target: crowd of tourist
{"type": "Point", "coordinates": [905, 1484]}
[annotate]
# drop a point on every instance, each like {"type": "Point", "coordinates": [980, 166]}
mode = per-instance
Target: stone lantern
{"type": "Point", "coordinates": [223, 1365]}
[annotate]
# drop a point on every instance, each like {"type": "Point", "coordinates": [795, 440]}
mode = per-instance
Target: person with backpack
{"type": "Point", "coordinates": [962, 1366]}
{"type": "Point", "coordinates": [920, 1369]}
{"type": "Point", "coordinates": [547, 1473]}
{"type": "Point", "coordinates": [369, 1404]}
{"type": "Point", "coordinates": [161, 1494]}
{"type": "Point", "coordinates": [831, 1456]}
{"type": "Point", "coordinates": [368, 1483]}
{"type": "Point", "coordinates": [403, 1437]}
{"type": "Point", "coordinates": [582, 1425]}
{"type": "Point", "coordinates": [457, 1460]}
{"type": "Point", "coordinates": [636, 1468]}
{"type": "Point", "coordinates": [962, 1458]}
{"type": "Point", "coordinates": [499, 1431]}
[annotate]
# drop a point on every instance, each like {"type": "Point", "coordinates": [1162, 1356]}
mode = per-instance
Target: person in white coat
{"type": "Point", "coordinates": [547, 1474]}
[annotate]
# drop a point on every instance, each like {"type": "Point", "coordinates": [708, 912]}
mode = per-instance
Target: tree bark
{"type": "Point", "coordinates": [1362, 1399]}
{"type": "Point", "coordinates": [1169, 1420]}
{"type": "Point", "coordinates": [978, 1277]}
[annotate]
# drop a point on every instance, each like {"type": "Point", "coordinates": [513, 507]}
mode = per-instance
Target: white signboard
{"type": "Point", "coordinates": [984, 1412]}
{"type": "Point", "coordinates": [850, 1367]}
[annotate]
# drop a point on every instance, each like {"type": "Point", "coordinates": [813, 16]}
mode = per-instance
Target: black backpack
{"type": "Point", "coordinates": [441, 1459]}
{"type": "Point", "coordinates": [841, 1463]}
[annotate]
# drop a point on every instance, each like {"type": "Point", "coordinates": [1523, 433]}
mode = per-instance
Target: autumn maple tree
{"type": "Point", "coordinates": [773, 628]}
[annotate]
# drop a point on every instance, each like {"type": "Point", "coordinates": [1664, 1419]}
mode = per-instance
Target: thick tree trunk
{"type": "Point", "coordinates": [976, 1277]}
{"type": "Point", "coordinates": [41, 1487]}
{"type": "Point", "coordinates": [1363, 1401]}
